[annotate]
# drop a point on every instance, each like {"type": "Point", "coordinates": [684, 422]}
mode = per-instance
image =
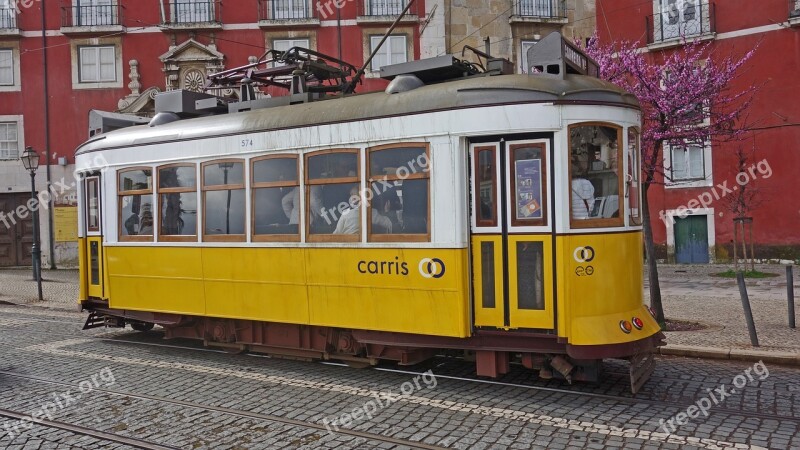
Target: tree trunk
{"type": "Point", "coordinates": [652, 266]}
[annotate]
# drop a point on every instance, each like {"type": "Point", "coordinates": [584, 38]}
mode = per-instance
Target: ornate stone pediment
{"type": "Point", "coordinates": [187, 65]}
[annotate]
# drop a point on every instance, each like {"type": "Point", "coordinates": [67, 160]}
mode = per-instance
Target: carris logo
{"type": "Point", "coordinates": [431, 268]}
{"type": "Point", "coordinates": [583, 254]}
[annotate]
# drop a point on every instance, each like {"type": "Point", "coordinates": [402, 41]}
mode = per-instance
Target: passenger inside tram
{"type": "Point", "coordinates": [594, 164]}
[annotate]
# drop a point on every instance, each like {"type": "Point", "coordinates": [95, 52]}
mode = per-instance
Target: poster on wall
{"type": "Point", "coordinates": [529, 188]}
{"type": "Point", "coordinates": [66, 223]}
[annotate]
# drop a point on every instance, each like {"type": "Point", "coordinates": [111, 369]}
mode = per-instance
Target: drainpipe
{"type": "Point", "coordinates": [339, 30]}
{"type": "Point", "coordinates": [50, 205]}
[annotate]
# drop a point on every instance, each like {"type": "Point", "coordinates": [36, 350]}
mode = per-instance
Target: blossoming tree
{"type": "Point", "coordinates": [686, 99]}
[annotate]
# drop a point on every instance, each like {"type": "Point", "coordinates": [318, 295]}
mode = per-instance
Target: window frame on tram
{"type": "Point", "coordinates": [176, 190]}
{"type": "Point", "coordinates": [514, 221]}
{"type": "Point", "coordinates": [310, 184]}
{"type": "Point", "coordinates": [93, 180]}
{"type": "Point", "coordinates": [204, 190]}
{"type": "Point", "coordinates": [414, 173]}
{"type": "Point", "coordinates": [135, 192]}
{"type": "Point", "coordinates": [255, 186]}
{"type": "Point", "coordinates": [495, 210]}
{"type": "Point", "coordinates": [612, 222]}
{"type": "Point", "coordinates": [634, 184]}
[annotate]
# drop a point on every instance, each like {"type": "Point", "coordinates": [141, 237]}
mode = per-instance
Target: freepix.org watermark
{"type": "Point", "coordinates": [720, 191]}
{"type": "Point", "coordinates": [42, 201]}
{"type": "Point", "coordinates": [380, 401]}
{"type": "Point", "coordinates": [59, 401]}
{"type": "Point", "coordinates": [715, 397]}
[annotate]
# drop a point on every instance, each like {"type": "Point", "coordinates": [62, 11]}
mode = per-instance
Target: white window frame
{"type": "Point", "coordinates": [11, 56]}
{"type": "Point", "coordinates": [96, 11]}
{"type": "Point", "coordinates": [181, 7]}
{"type": "Point", "coordinates": [387, 7]}
{"type": "Point", "coordinates": [386, 50]}
{"type": "Point", "coordinates": [98, 50]}
{"type": "Point", "coordinates": [78, 80]}
{"type": "Point", "coordinates": [708, 175]}
{"type": "Point", "coordinates": [524, 46]}
{"type": "Point", "coordinates": [9, 7]}
{"type": "Point", "coordinates": [18, 121]}
{"type": "Point", "coordinates": [7, 62]}
{"type": "Point", "coordinates": [290, 10]}
{"type": "Point", "coordinates": [660, 12]}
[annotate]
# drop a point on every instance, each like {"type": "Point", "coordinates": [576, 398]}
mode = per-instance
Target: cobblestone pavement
{"type": "Point", "coordinates": [177, 394]}
{"type": "Point", "coordinates": [59, 287]}
{"type": "Point", "coordinates": [691, 293]}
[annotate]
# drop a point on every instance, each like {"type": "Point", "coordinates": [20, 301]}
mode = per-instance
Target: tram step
{"type": "Point", "coordinates": [94, 321]}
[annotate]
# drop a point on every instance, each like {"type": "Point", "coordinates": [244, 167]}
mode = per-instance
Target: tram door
{"type": "Point", "coordinates": [93, 242]}
{"type": "Point", "coordinates": [512, 240]}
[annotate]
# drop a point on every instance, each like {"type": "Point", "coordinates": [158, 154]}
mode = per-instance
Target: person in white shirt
{"type": "Point", "coordinates": [582, 191]}
{"type": "Point", "coordinates": [350, 221]}
{"type": "Point", "coordinates": [291, 204]}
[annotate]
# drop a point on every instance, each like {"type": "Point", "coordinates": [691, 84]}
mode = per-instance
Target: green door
{"type": "Point", "coordinates": [691, 240]}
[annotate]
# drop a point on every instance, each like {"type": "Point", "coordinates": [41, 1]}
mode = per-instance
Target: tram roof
{"type": "Point", "coordinates": [465, 93]}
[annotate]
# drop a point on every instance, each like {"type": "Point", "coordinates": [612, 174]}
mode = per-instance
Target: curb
{"type": "Point", "coordinates": [733, 354]}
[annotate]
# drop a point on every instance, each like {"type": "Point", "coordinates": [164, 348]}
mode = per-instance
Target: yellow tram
{"type": "Point", "coordinates": [461, 209]}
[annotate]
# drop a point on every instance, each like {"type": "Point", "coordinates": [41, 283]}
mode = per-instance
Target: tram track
{"type": "Point", "coordinates": [572, 392]}
{"type": "Point", "coordinates": [210, 408]}
{"type": "Point", "coordinates": [85, 431]}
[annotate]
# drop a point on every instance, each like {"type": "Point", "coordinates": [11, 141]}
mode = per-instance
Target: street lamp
{"type": "Point", "coordinates": [30, 159]}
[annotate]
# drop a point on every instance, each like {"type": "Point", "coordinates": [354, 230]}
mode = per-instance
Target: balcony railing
{"type": "Point", "coordinates": [91, 16]}
{"type": "Point", "coordinates": [286, 10]}
{"type": "Point", "coordinates": [385, 8]}
{"type": "Point", "coordinates": [8, 18]}
{"type": "Point", "coordinates": [190, 12]}
{"type": "Point", "coordinates": [545, 9]}
{"type": "Point", "coordinates": [672, 24]}
{"type": "Point", "coordinates": [794, 10]}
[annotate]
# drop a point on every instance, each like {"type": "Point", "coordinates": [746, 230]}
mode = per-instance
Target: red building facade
{"type": "Point", "coordinates": [692, 221]}
{"type": "Point", "coordinates": [116, 55]}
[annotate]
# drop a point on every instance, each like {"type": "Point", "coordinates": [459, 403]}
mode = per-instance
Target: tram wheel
{"type": "Point", "coordinates": [142, 326]}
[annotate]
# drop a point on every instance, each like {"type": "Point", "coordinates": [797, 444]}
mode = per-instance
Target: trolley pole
{"type": "Point", "coordinates": [748, 313]}
{"type": "Point", "coordinates": [790, 294]}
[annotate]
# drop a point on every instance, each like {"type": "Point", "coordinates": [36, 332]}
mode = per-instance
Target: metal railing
{"type": "Point", "coordinates": [286, 9]}
{"type": "Point", "coordinates": [673, 23]}
{"type": "Point", "coordinates": [91, 16]}
{"type": "Point", "coordinates": [194, 12]}
{"type": "Point", "coordinates": [8, 18]}
{"type": "Point", "coordinates": [389, 8]}
{"type": "Point", "coordinates": [549, 9]}
{"type": "Point", "coordinates": [794, 9]}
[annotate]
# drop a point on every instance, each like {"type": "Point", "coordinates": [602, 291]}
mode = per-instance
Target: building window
{"type": "Point", "coordinates": [525, 46]}
{"type": "Point", "coordinates": [177, 197]}
{"type": "Point", "coordinates": [8, 15]}
{"type": "Point", "coordinates": [393, 51]}
{"type": "Point", "coordinates": [385, 7]}
{"type": "Point", "coordinates": [398, 197]}
{"type": "Point", "coordinates": [135, 192]}
{"type": "Point", "coordinates": [285, 44]}
{"type": "Point", "coordinates": [98, 64]}
{"type": "Point", "coordinates": [90, 13]}
{"type": "Point", "coordinates": [9, 140]}
{"type": "Point", "coordinates": [6, 67]}
{"type": "Point", "coordinates": [541, 8]}
{"type": "Point", "coordinates": [289, 9]}
{"type": "Point", "coordinates": [224, 201]}
{"type": "Point", "coordinates": [681, 18]}
{"type": "Point", "coordinates": [687, 162]}
{"type": "Point", "coordinates": [332, 195]}
{"type": "Point", "coordinates": [276, 199]}
{"type": "Point", "coordinates": [192, 11]}
{"type": "Point", "coordinates": [595, 153]}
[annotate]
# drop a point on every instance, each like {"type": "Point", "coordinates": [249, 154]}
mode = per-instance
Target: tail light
{"type": "Point", "coordinates": [637, 323]}
{"type": "Point", "coordinates": [652, 312]}
{"type": "Point", "coordinates": [625, 326]}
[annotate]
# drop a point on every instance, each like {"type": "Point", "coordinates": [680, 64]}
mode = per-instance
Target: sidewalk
{"type": "Point", "coordinates": [689, 292]}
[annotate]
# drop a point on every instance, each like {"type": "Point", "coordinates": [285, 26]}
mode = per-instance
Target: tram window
{"type": "Point", "coordinates": [528, 172]}
{"type": "Point", "coordinates": [399, 193]}
{"type": "Point", "coordinates": [93, 211]}
{"type": "Point", "coordinates": [224, 201]}
{"type": "Point", "coordinates": [177, 194]}
{"type": "Point", "coordinates": [633, 185]}
{"type": "Point", "coordinates": [530, 280]}
{"type": "Point", "coordinates": [332, 195]}
{"type": "Point", "coordinates": [486, 178]}
{"type": "Point", "coordinates": [276, 199]}
{"type": "Point", "coordinates": [135, 194]}
{"type": "Point", "coordinates": [595, 186]}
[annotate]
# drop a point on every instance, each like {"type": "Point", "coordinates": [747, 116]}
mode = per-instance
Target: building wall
{"type": "Point", "coordinates": [507, 23]}
{"type": "Point", "coordinates": [141, 41]}
{"type": "Point", "coordinates": [774, 118]}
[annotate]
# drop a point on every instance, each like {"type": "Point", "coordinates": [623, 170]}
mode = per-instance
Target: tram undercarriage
{"type": "Point", "coordinates": [492, 351]}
